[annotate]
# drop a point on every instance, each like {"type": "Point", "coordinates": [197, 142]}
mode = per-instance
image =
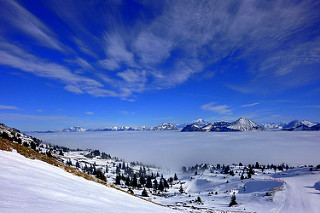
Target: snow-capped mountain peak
{"type": "Point", "coordinates": [244, 124]}
{"type": "Point", "coordinates": [200, 122]}
{"type": "Point", "coordinates": [165, 126]}
{"type": "Point", "coordinates": [74, 129]}
{"type": "Point", "coordinates": [308, 123]}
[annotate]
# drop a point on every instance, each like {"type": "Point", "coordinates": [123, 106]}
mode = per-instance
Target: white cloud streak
{"type": "Point", "coordinates": [249, 105]}
{"type": "Point", "coordinates": [23, 20]}
{"type": "Point", "coordinates": [8, 107]}
{"type": "Point", "coordinates": [183, 40]}
{"type": "Point", "coordinates": [221, 109]}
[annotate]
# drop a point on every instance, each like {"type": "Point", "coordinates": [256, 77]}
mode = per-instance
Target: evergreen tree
{"type": "Point", "coordinates": [226, 169]}
{"type": "Point", "coordinates": [99, 174]}
{"type": "Point", "coordinates": [249, 175]}
{"type": "Point", "coordinates": [33, 146]}
{"type": "Point", "coordinates": [165, 184]}
{"type": "Point", "coordinates": [233, 200]}
{"type": "Point", "coordinates": [149, 183]}
{"type": "Point", "coordinates": [144, 193]}
{"type": "Point", "coordinates": [175, 176]}
{"type": "Point", "coordinates": [142, 180]}
{"type": "Point", "coordinates": [199, 200]}
{"type": "Point", "coordinates": [170, 180]}
{"type": "Point", "coordinates": [242, 177]}
{"type": "Point", "coordinates": [181, 189]}
{"type": "Point", "coordinates": [184, 169]}
{"type": "Point", "coordinates": [134, 181]}
{"type": "Point", "coordinates": [128, 181]}
{"type": "Point", "coordinates": [77, 164]}
{"type": "Point", "coordinates": [161, 187]}
{"type": "Point", "coordinates": [49, 154]}
{"type": "Point", "coordinates": [118, 178]}
{"type": "Point", "coordinates": [257, 165]}
{"type": "Point", "coordinates": [5, 135]}
{"type": "Point", "coordinates": [155, 184]}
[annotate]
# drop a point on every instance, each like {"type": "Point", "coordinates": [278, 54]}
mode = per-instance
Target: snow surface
{"type": "Point", "coordinates": [174, 149]}
{"type": "Point", "coordinates": [35, 186]}
{"type": "Point", "coordinates": [299, 194]}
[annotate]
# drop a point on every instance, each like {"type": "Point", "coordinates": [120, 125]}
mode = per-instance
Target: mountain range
{"type": "Point", "coordinates": [241, 124]}
{"type": "Point", "coordinates": [200, 125]}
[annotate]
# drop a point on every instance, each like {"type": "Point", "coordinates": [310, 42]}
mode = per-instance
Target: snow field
{"type": "Point", "coordinates": [34, 186]}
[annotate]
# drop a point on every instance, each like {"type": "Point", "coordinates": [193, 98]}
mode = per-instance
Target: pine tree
{"type": "Point", "coordinates": [144, 193]}
{"type": "Point", "coordinates": [242, 177]}
{"type": "Point", "coordinates": [149, 183]}
{"type": "Point", "coordinates": [155, 184]}
{"type": "Point", "coordinates": [142, 180]}
{"type": "Point", "coordinates": [199, 200]}
{"type": "Point", "coordinates": [118, 178]}
{"type": "Point", "coordinates": [99, 174]}
{"type": "Point", "coordinates": [257, 165]}
{"type": "Point", "coordinates": [233, 200]}
{"type": "Point", "coordinates": [134, 181]}
{"type": "Point", "coordinates": [181, 189]}
{"type": "Point", "coordinates": [128, 181]}
{"type": "Point", "coordinates": [175, 176]}
{"type": "Point", "coordinates": [161, 187]}
{"type": "Point", "coordinates": [165, 184]}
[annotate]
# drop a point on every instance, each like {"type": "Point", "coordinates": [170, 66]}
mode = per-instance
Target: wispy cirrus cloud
{"type": "Point", "coordinates": [8, 107]}
{"type": "Point", "coordinates": [181, 40]}
{"type": "Point", "coordinates": [15, 57]}
{"type": "Point", "coordinates": [15, 15]}
{"type": "Point", "coordinates": [221, 109]}
{"type": "Point", "coordinates": [249, 105]}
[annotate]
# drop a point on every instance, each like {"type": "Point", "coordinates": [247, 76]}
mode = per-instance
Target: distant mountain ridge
{"type": "Point", "coordinates": [242, 124]}
{"type": "Point", "coordinates": [294, 125]}
{"type": "Point", "coordinates": [200, 125]}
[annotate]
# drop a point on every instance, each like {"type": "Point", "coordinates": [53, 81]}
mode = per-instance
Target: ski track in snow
{"type": "Point", "coordinates": [299, 195]}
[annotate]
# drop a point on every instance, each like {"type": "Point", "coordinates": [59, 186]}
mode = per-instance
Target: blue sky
{"type": "Point", "coordinates": [104, 63]}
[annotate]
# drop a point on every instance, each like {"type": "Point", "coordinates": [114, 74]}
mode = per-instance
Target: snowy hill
{"type": "Point", "coordinates": [165, 126]}
{"type": "Point", "coordinates": [47, 188]}
{"type": "Point", "coordinates": [241, 124]}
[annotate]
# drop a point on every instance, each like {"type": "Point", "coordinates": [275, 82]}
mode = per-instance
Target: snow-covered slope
{"type": "Point", "coordinates": [34, 186]}
{"type": "Point", "coordinates": [300, 193]}
{"type": "Point", "coordinates": [244, 124]}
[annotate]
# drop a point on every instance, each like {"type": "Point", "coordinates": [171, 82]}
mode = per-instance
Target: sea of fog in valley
{"type": "Point", "coordinates": [173, 149]}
